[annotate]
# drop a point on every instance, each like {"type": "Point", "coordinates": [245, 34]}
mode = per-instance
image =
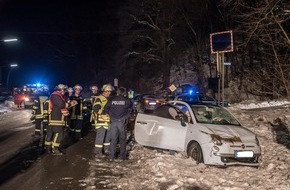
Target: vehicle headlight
{"type": "Point", "coordinates": [26, 99]}
{"type": "Point", "coordinates": [215, 149]}
{"type": "Point", "coordinates": [257, 141]}
{"type": "Point", "coordinates": [217, 141]}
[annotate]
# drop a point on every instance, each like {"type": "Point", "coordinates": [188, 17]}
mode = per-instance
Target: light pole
{"type": "Point", "coordinates": [7, 40]}
{"type": "Point", "coordinates": [8, 76]}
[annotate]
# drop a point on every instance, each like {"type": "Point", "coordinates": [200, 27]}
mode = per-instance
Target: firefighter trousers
{"type": "Point", "coordinates": [76, 128]}
{"type": "Point", "coordinates": [102, 141]}
{"type": "Point", "coordinates": [118, 132]}
{"type": "Point", "coordinates": [37, 130]}
{"type": "Point", "coordinates": [54, 136]}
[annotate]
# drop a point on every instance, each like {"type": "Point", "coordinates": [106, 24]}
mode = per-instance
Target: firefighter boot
{"type": "Point", "coordinates": [57, 152]}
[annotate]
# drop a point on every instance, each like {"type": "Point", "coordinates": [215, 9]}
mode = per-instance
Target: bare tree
{"type": "Point", "coordinates": [264, 28]}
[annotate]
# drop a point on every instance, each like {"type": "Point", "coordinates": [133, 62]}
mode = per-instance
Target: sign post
{"type": "Point", "coordinates": [220, 43]}
{"type": "Point", "coordinates": [116, 83]}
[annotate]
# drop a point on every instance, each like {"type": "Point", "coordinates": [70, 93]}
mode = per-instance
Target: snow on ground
{"type": "Point", "coordinates": [149, 169]}
{"type": "Point", "coordinates": [4, 109]}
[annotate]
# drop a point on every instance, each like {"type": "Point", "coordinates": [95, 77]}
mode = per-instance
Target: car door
{"type": "Point", "coordinates": [161, 129]}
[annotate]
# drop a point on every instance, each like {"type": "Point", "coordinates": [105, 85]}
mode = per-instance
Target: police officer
{"type": "Point", "coordinates": [101, 120]}
{"type": "Point", "coordinates": [76, 113]}
{"type": "Point", "coordinates": [119, 108]}
{"type": "Point", "coordinates": [39, 111]}
{"type": "Point", "coordinates": [58, 111]}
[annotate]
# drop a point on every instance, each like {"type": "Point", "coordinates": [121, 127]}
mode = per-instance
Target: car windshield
{"type": "Point", "coordinates": [213, 115]}
{"type": "Point", "coordinates": [153, 96]}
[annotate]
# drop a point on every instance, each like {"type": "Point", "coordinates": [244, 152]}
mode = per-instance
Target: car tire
{"type": "Point", "coordinates": [194, 151]}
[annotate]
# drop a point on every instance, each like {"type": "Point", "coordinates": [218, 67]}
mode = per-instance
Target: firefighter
{"type": "Point", "coordinates": [119, 109]}
{"type": "Point", "coordinates": [68, 93]}
{"type": "Point", "coordinates": [76, 113]}
{"type": "Point", "coordinates": [93, 95]}
{"type": "Point", "coordinates": [58, 111]}
{"type": "Point", "coordinates": [39, 111]}
{"type": "Point", "coordinates": [101, 119]}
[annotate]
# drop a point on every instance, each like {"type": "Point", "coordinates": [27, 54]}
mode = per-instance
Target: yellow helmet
{"type": "Point", "coordinates": [61, 87]}
{"type": "Point", "coordinates": [78, 87]}
{"type": "Point", "coordinates": [107, 87]}
{"type": "Point", "coordinates": [70, 89]}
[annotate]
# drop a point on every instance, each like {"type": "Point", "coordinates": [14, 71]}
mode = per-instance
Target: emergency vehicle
{"type": "Point", "coordinates": [24, 96]}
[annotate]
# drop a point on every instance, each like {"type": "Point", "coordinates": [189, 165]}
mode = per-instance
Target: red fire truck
{"type": "Point", "coordinates": [24, 96]}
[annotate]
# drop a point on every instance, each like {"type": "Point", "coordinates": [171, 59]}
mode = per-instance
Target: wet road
{"type": "Point", "coordinates": [24, 165]}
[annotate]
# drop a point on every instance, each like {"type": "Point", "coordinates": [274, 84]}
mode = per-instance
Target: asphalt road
{"type": "Point", "coordinates": [23, 164]}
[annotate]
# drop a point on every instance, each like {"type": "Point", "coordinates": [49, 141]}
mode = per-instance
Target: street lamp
{"type": "Point", "coordinates": [10, 40]}
{"type": "Point", "coordinates": [8, 76]}
{"type": "Point", "coordinates": [7, 40]}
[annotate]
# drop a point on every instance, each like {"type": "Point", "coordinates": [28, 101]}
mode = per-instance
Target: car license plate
{"type": "Point", "coordinates": [244, 154]}
{"type": "Point", "coordinates": [152, 103]}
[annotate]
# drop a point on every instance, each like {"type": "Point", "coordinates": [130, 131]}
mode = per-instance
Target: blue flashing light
{"type": "Point", "coordinates": [38, 85]}
{"type": "Point", "coordinates": [192, 90]}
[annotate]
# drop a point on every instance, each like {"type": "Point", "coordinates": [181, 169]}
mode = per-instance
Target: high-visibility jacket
{"type": "Point", "coordinates": [98, 115]}
{"type": "Point", "coordinates": [76, 111]}
{"type": "Point", "coordinates": [38, 107]}
{"type": "Point", "coordinates": [131, 94]}
{"type": "Point", "coordinates": [57, 109]}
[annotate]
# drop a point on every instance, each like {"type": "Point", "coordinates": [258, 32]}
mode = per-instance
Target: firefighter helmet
{"type": "Point", "coordinates": [94, 87]}
{"type": "Point", "coordinates": [107, 87]}
{"type": "Point", "coordinates": [70, 89]}
{"type": "Point", "coordinates": [61, 87]}
{"type": "Point", "coordinates": [77, 86]}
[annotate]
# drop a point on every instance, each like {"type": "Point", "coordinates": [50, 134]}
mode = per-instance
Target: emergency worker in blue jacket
{"type": "Point", "coordinates": [118, 108]}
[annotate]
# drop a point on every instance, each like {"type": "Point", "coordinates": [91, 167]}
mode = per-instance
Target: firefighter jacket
{"type": "Point", "coordinates": [119, 108]}
{"type": "Point", "coordinates": [92, 99]}
{"type": "Point", "coordinates": [38, 108]}
{"type": "Point", "coordinates": [57, 109]}
{"type": "Point", "coordinates": [76, 111]}
{"type": "Point", "coordinates": [98, 112]}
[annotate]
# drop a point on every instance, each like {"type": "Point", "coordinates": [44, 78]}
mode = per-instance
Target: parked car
{"type": "Point", "coordinates": [206, 133]}
{"type": "Point", "coordinates": [146, 102]}
{"type": "Point", "coordinates": [5, 95]}
{"type": "Point", "coordinates": [199, 98]}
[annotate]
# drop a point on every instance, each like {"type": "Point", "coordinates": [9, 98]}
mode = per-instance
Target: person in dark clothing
{"type": "Point", "coordinates": [76, 113]}
{"type": "Point", "coordinates": [118, 108]}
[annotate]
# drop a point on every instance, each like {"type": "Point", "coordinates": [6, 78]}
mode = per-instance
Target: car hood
{"type": "Point", "coordinates": [233, 132]}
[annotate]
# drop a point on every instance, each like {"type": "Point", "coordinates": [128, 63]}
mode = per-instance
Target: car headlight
{"type": "Point", "coordinates": [257, 141]}
{"type": "Point", "coordinates": [26, 99]}
{"type": "Point", "coordinates": [215, 149]}
{"type": "Point", "coordinates": [217, 141]}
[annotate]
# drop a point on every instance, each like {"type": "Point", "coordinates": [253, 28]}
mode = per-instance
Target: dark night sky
{"type": "Point", "coordinates": [35, 23]}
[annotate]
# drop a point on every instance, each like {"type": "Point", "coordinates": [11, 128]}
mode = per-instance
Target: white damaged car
{"type": "Point", "coordinates": [208, 134]}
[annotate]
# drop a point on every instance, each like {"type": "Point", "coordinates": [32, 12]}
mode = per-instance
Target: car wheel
{"type": "Point", "coordinates": [194, 151]}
